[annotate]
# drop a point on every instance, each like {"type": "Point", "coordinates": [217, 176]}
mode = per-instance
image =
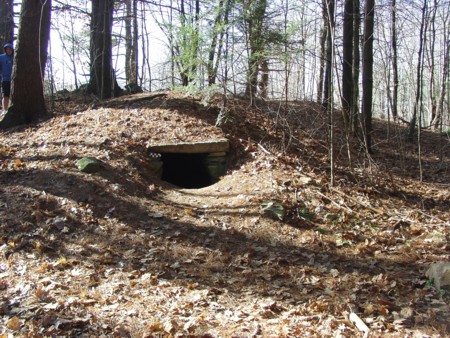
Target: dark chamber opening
{"type": "Point", "coordinates": [186, 170]}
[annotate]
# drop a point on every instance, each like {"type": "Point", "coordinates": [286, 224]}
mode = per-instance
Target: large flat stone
{"type": "Point", "coordinates": [215, 146]}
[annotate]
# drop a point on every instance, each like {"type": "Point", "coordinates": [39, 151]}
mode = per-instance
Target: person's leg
{"type": "Point", "coordinates": [6, 90]}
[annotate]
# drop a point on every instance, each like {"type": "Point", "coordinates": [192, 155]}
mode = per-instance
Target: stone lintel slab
{"type": "Point", "coordinates": [215, 146]}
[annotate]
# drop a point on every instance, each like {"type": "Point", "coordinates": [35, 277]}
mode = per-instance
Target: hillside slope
{"type": "Point", "coordinates": [271, 250]}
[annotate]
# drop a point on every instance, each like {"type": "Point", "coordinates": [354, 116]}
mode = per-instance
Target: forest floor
{"type": "Point", "coordinates": [120, 253]}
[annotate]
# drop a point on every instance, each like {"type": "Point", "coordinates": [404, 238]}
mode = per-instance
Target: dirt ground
{"type": "Point", "coordinates": [271, 250]}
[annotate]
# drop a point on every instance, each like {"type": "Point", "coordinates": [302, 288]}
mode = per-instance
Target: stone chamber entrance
{"type": "Point", "coordinates": [189, 165]}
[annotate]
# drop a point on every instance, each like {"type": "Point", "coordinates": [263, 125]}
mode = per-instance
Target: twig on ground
{"type": "Point", "coordinates": [354, 318]}
{"type": "Point", "coordinates": [264, 149]}
{"type": "Point", "coordinates": [336, 203]}
{"type": "Point", "coordinates": [377, 211]}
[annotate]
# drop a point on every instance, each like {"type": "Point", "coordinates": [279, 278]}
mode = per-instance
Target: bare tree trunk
{"type": "Point", "coordinates": [255, 12]}
{"type": "Point", "coordinates": [131, 36]}
{"type": "Point", "coordinates": [6, 21]}
{"type": "Point", "coordinates": [102, 81]}
{"type": "Point", "coordinates": [347, 67]}
{"type": "Point", "coordinates": [437, 121]}
{"type": "Point", "coordinates": [322, 56]}
{"type": "Point", "coordinates": [190, 42]}
{"type": "Point", "coordinates": [327, 102]}
{"type": "Point", "coordinates": [394, 104]}
{"type": "Point", "coordinates": [431, 63]}
{"type": "Point", "coordinates": [327, 91]}
{"type": "Point", "coordinates": [171, 39]}
{"type": "Point", "coordinates": [264, 83]}
{"type": "Point", "coordinates": [215, 49]}
{"type": "Point", "coordinates": [145, 48]}
{"type": "Point", "coordinates": [285, 50]}
{"type": "Point", "coordinates": [184, 73]}
{"type": "Point", "coordinates": [212, 49]}
{"type": "Point", "coordinates": [196, 39]}
{"type": "Point", "coordinates": [412, 123]}
{"type": "Point", "coordinates": [304, 37]}
{"type": "Point", "coordinates": [356, 65]}
{"type": "Point", "coordinates": [222, 36]}
{"type": "Point", "coordinates": [368, 73]}
{"type": "Point", "coordinates": [27, 91]}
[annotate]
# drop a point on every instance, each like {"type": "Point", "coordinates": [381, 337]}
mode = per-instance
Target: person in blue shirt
{"type": "Point", "coordinates": [6, 64]}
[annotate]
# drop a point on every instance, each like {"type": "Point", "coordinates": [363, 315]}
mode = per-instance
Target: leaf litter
{"type": "Point", "coordinates": [120, 253]}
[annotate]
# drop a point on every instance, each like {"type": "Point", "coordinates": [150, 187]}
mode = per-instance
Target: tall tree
{"type": "Point", "coordinates": [131, 41]}
{"type": "Point", "coordinates": [218, 32]}
{"type": "Point", "coordinates": [356, 64]}
{"type": "Point", "coordinates": [254, 17]}
{"type": "Point", "coordinates": [6, 21]}
{"type": "Point", "coordinates": [419, 78]}
{"type": "Point", "coordinates": [430, 47]}
{"type": "Point", "coordinates": [188, 48]}
{"type": "Point", "coordinates": [27, 91]}
{"type": "Point", "coordinates": [327, 83]}
{"type": "Point", "coordinates": [437, 120]}
{"type": "Point", "coordinates": [347, 67]}
{"type": "Point", "coordinates": [322, 51]}
{"type": "Point", "coordinates": [394, 103]}
{"type": "Point", "coordinates": [367, 74]}
{"type": "Point", "coordinates": [102, 80]}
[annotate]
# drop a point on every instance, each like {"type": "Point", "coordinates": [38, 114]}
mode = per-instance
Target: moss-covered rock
{"type": "Point", "coordinates": [88, 165]}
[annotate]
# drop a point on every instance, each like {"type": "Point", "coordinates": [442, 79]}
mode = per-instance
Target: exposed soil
{"type": "Point", "coordinates": [120, 253]}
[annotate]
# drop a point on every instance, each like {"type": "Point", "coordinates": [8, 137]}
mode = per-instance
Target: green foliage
{"type": "Point", "coordinates": [429, 284]}
{"type": "Point", "coordinates": [304, 213]}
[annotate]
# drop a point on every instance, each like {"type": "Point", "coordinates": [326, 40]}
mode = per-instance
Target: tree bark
{"type": "Point", "coordinates": [356, 65]}
{"type": "Point", "coordinates": [215, 49]}
{"type": "Point", "coordinates": [6, 21]}
{"type": "Point", "coordinates": [264, 83]}
{"type": "Point", "coordinates": [433, 99]}
{"type": "Point", "coordinates": [27, 91]}
{"type": "Point", "coordinates": [131, 36]}
{"type": "Point", "coordinates": [102, 80]}
{"type": "Point", "coordinates": [327, 91]}
{"type": "Point", "coordinates": [367, 75]}
{"type": "Point", "coordinates": [190, 42]}
{"type": "Point", "coordinates": [322, 40]}
{"type": "Point", "coordinates": [254, 15]}
{"type": "Point", "coordinates": [436, 122]}
{"type": "Point", "coordinates": [347, 67]}
{"type": "Point", "coordinates": [394, 104]}
{"type": "Point", "coordinates": [413, 121]}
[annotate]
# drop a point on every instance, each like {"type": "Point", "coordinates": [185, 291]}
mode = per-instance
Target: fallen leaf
{"type": "Point", "coordinates": [13, 323]}
{"type": "Point", "coordinates": [189, 212]}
